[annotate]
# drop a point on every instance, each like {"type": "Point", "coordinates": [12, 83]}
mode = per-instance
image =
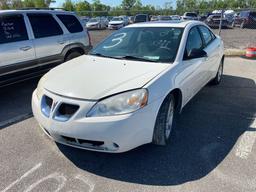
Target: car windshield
{"type": "Point", "coordinates": [155, 44]}
{"type": "Point", "coordinates": [93, 20]}
{"type": "Point", "coordinates": [117, 19]}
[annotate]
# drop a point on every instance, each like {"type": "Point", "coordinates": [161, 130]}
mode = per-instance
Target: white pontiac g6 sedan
{"type": "Point", "coordinates": [128, 90]}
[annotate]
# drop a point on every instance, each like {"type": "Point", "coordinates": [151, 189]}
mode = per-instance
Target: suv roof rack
{"type": "Point", "coordinates": [42, 8]}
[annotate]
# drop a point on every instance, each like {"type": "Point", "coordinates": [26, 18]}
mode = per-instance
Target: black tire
{"type": "Point", "coordinates": [217, 79]}
{"type": "Point", "coordinates": [160, 135]}
{"type": "Point", "coordinates": [72, 55]}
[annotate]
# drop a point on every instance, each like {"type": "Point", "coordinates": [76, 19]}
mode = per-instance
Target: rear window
{"type": "Point", "coordinates": [12, 29]}
{"type": "Point", "coordinates": [253, 14]}
{"type": "Point", "coordinates": [244, 14]}
{"type": "Point", "coordinates": [71, 23]}
{"type": "Point", "coordinates": [44, 25]}
{"type": "Point", "coordinates": [191, 14]}
{"type": "Point", "coordinates": [141, 18]}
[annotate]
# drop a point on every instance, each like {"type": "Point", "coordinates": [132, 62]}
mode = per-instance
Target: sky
{"type": "Point", "coordinates": [118, 2]}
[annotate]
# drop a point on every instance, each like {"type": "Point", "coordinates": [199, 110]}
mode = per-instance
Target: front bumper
{"type": "Point", "coordinates": [112, 134]}
{"type": "Point", "coordinates": [92, 26]}
{"type": "Point", "coordinates": [115, 26]}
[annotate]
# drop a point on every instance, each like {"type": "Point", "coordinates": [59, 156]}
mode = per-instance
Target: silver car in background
{"type": "Point", "coordinates": [33, 41]}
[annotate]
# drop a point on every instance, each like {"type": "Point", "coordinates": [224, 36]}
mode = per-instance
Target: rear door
{"type": "Point", "coordinates": [16, 49]}
{"type": "Point", "coordinates": [212, 48]}
{"type": "Point", "coordinates": [49, 39]}
{"type": "Point", "coordinates": [77, 35]}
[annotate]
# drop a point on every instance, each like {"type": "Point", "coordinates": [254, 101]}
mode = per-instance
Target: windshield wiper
{"type": "Point", "coordinates": [132, 57]}
{"type": "Point", "coordinates": [102, 55]}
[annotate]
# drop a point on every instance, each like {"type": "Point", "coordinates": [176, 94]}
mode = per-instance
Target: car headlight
{"type": "Point", "coordinates": [119, 104]}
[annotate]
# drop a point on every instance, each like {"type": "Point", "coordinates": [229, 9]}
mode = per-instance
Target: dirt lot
{"type": "Point", "coordinates": [238, 38]}
{"type": "Point", "coordinates": [233, 38]}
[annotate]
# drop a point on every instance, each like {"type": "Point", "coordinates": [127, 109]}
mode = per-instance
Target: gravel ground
{"type": "Point", "coordinates": [238, 38]}
{"type": "Point", "coordinates": [233, 38]}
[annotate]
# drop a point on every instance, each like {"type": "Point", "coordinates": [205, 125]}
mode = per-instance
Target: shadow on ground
{"type": "Point", "coordinates": [15, 100]}
{"type": "Point", "coordinates": [208, 129]}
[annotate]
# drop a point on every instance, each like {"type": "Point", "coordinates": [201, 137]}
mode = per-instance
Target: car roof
{"type": "Point", "coordinates": [36, 11]}
{"type": "Point", "coordinates": [178, 24]}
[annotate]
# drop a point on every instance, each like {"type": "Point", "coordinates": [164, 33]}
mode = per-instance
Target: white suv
{"type": "Point", "coordinates": [33, 41]}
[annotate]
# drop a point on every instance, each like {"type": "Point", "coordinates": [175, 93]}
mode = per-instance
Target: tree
{"type": "Point", "coordinates": [28, 3]}
{"type": "Point", "coordinates": [4, 4]}
{"type": "Point", "coordinates": [68, 5]}
{"type": "Point", "coordinates": [82, 7]}
{"type": "Point", "coordinates": [128, 4]}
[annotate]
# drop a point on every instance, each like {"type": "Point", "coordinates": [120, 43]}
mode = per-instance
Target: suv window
{"type": "Point", "coordinates": [207, 36]}
{"type": "Point", "coordinates": [194, 41]}
{"type": "Point", "coordinates": [253, 14]}
{"type": "Point", "coordinates": [44, 25]}
{"type": "Point", "coordinates": [244, 14]}
{"type": "Point", "coordinates": [191, 14]}
{"type": "Point", "coordinates": [12, 29]}
{"type": "Point", "coordinates": [71, 23]}
{"type": "Point", "coordinates": [141, 18]}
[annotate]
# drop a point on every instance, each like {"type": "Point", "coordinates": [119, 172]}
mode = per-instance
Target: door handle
{"type": "Point", "coordinates": [26, 48]}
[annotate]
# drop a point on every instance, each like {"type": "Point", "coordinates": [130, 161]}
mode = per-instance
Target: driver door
{"type": "Point", "coordinates": [194, 72]}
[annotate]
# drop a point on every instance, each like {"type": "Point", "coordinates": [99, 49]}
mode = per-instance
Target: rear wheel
{"type": "Point", "coordinates": [72, 55]}
{"type": "Point", "coordinates": [165, 121]}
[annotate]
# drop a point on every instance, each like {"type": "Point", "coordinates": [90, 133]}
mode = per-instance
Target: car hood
{"type": "Point", "coordinates": [116, 22]}
{"type": "Point", "coordinates": [92, 78]}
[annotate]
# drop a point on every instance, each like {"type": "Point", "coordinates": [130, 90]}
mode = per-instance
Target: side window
{"type": "Point", "coordinates": [71, 23]}
{"type": "Point", "coordinates": [44, 25]}
{"type": "Point", "coordinates": [207, 36]}
{"type": "Point", "coordinates": [12, 29]}
{"type": "Point", "coordinates": [194, 41]}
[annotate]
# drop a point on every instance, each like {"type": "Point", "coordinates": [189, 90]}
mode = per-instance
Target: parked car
{"type": "Point", "coordinates": [190, 16]}
{"type": "Point", "coordinates": [164, 18]}
{"type": "Point", "coordinates": [96, 23]}
{"type": "Point", "coordinates": [131, 19]}
{"type": "Point", "coordinates": [141, 18]}
{"type": "Point", "coordinates": [84, 20]}
{"type": "Point", "coordinates": [117, 23]}
{"type": "Point", "coordinates": [245, 19]}
{"type": "Point", "coordinates": [154, 18]}
{"type": "Point", "coordinates": [33, 41]}
{"type": "Point", "coordinates": [130, 88]}
{"type": "Point", "coordinates": [214, 21]}
{"type": "Point", "coordinates": [175, 17]}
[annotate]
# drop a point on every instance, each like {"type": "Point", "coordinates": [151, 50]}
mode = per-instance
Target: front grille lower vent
{"type": "Point", "coordinates": [46, 105]}
{"type": "Point", "coordinates": [65, 111]}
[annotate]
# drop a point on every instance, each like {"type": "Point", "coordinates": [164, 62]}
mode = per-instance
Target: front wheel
{"type": "Point", "coordinates": [165, 121]}
{"type": "Point", "coordinates": [218, 77]}
{"type": "Point", "coordinates": [72, 55]}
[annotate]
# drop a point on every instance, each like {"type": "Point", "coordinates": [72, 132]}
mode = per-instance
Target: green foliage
{"type": "Point", "coordinates": [68, 5]}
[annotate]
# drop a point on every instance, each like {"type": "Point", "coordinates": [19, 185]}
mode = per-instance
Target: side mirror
{"type": "Point", "coordinates": [196, 53]}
